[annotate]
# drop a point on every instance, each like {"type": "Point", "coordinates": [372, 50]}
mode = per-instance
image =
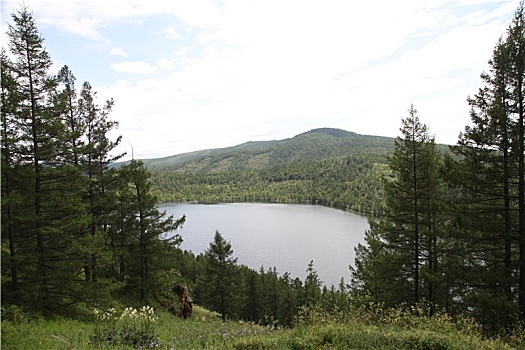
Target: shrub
{"type": "Point", "coordinates": [13, 313]}
{"type": "Point", "coordinates": [132, 327]}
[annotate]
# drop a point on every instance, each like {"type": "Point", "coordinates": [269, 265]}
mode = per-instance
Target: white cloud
{"type": "Point", "coordinates": [171, 33]}
{"type": "Point", "coordinates": [138, 67]}
{"type": "Point", "coordinates": [166, 64]}
{"type": "Point", "coordinates": [118, 52]}
{"type": "Point", "coordinates": [304, 66]}
{"type": "Point", "coordinates": [241, 69]}
{"type": "Point", "coordinates": [182, 51]}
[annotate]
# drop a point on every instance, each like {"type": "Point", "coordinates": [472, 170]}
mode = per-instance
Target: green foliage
{"type": "Point", "coordinates": [132, 327]}
{"type": "Point", "coordinates": [376, 327]}
{"type": "Point", "coordinates": [78, 232]}
{"type": "Point", "coordinates": [219, 277]}
{"type": "Point", "coordinates": [56, 334]}
{"type": "Point", "coordinates": [13, 313]}
{"type": "Point", "coordinates": [324, 166]}
{"type": "Point", "coordinates": [312, 285]}
{"type": "Point", "coordinates": [488, 179]}
{"type": "Point", "coordinates": [349, 182]}
{"type": "Point", "coordinates": [403, 260]}
{"type": "Point", "coordinates": [73, 226]}
{"type": "Point", "coordinates": [313, 145]}
{"type": "Point", "coordinates": [371, 327]}
{"type": "Point", "coordinates": [148, 252]}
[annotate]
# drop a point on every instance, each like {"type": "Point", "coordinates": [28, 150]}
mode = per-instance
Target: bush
{"type": "Point", "coordinates": [132, 327]}
{"type": "Point", "coordinates": [13, 313]}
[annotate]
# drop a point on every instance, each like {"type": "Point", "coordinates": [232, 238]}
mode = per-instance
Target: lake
{"type": "Point", "coordinates": [287, 236]}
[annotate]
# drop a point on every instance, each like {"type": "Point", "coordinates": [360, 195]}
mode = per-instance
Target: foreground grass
{"type": "Point", "coordinates": [204, 330]}
{"type": "Point", "coordinates": [363, 329]}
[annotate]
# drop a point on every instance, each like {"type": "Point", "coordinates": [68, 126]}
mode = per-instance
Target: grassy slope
{"type": "Point", "coordinates": [204, 330]}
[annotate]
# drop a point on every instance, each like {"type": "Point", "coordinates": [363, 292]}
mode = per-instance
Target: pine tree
{"type": "Point", "coordinates": [398, 264]}
{"type": "Point", "coordinates": [95, 158]}
{"type": "Point", "coordinates": [288, 303]}
{"type": "Point", "coordinates": [72, 225]}
{"type": "Point", "coordinates": [220, 276]}
{"type": "Point", "coordinates": [67, 102]}
{"type": "Point", "coordinates": [312, 285]}
{"type": "Point", "coordinates": [10, 145]}
{"type": "Point", "coordinates": [40, 134]}
{"type": "Point", "coordinates": [516, 46]}
{"type": "Point", "coordinates": [490, 175]}
{"type": "Point", "coordinates": [150, 245]}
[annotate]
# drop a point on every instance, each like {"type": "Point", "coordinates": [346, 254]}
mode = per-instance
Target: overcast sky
{"type": "Point", "coordinates": [192, 75]}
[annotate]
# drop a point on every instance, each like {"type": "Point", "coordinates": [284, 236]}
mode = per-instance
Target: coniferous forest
{"type": "Point", "coordinates": [329, 167]}
{"type": "Point", "coordinates": [447, 227]}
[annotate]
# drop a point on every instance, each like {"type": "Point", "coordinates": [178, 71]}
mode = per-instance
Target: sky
{"type": "Point", "coordinates": [199, 74]}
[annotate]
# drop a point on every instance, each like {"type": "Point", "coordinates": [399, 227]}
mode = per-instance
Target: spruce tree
{"type": "Point", "coordinates": [490, 176]}
{"type": "Point", "coordinates": [516, 46]}
{"type": "Point", "coordinates": [9, 154]}
{"type": "Point", "coordinates": [312, 285]}
{"type": "Point", "coordinates": [50, 186]}
{"type": "Point", "coordinates": [150, 240]}
{"type": "Point", "coordinates": [67, 102]}
{"type": "Point", "coordinates": [95, 158]}
{"type": "Point", "coordinates": [398, 263]}
{"type": "Point", "coordinates": [220, 276]}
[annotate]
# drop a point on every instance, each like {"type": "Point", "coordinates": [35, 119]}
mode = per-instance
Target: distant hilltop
{"type": "Point", "coordinates": [312, 145]}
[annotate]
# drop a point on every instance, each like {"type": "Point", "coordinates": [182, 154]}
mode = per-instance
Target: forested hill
{"type": "Point", "coordinates": [314, 145]}
{"type": "Point", "coordinates": [325, 166]}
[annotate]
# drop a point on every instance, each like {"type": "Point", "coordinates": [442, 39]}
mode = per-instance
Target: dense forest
{"type": "Point", "coordinates": [448, 228]}
{"type": "Point", "coordinates": [330, 167]}
{"type": "Point", "coordinates": [347, 182]}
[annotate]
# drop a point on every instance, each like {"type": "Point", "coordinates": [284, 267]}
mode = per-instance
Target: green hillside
{"type": "Point", "coordinates": [317, 144]}
{"type": "Point", "coordinates": [325, 166]}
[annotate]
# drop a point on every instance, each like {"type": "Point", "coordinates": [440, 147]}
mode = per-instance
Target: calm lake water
{"type": "Point", "coordinates": [286, 236]}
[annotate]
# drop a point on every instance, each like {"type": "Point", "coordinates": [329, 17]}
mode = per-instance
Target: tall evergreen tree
{"type": "Point", "coordinates": [220, 276]}
{"type": "Point", "coordinates": [40, 133]}
{"type": "Point", "coordinates": [151, 245]}
{"type": "Point", "coordinates": [10, 144]}
{"type": "Point", "coordinates": [95, 158]}
{"type": "Point", "coordinates": [67, 102]}
{"type": "Point", "coordinates": [289, 304]}
{"type": "Point", "coordinates": [72, 225]}
{"type": "Point", "coordinates": [490, 175]}
{"type": "Point", "coordinates": [516, 46]}
{"type": "Point", "coordinates": [399, 263]}
{"type": "Point", "coordinates": [312, 285]}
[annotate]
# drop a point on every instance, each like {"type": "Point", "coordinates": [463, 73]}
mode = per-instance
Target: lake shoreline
{"type": "Point", "coordinates": [269, 202]}
{"type": "Point", "coordinates": [285, 236]}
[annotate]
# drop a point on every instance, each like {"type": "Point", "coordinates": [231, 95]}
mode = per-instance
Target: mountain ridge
{"type": "Point", "coordinates": [315, 144]}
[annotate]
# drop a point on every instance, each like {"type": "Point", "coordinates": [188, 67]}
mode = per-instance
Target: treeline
{"type": "Point", "coordinates": [350, 182]}
{"type": "Point", "coordinates": [74, 231]}
{"type": "Point", "coordinates": [263, 296]}
{"type": "Point", "coordinates": [453, 230]}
